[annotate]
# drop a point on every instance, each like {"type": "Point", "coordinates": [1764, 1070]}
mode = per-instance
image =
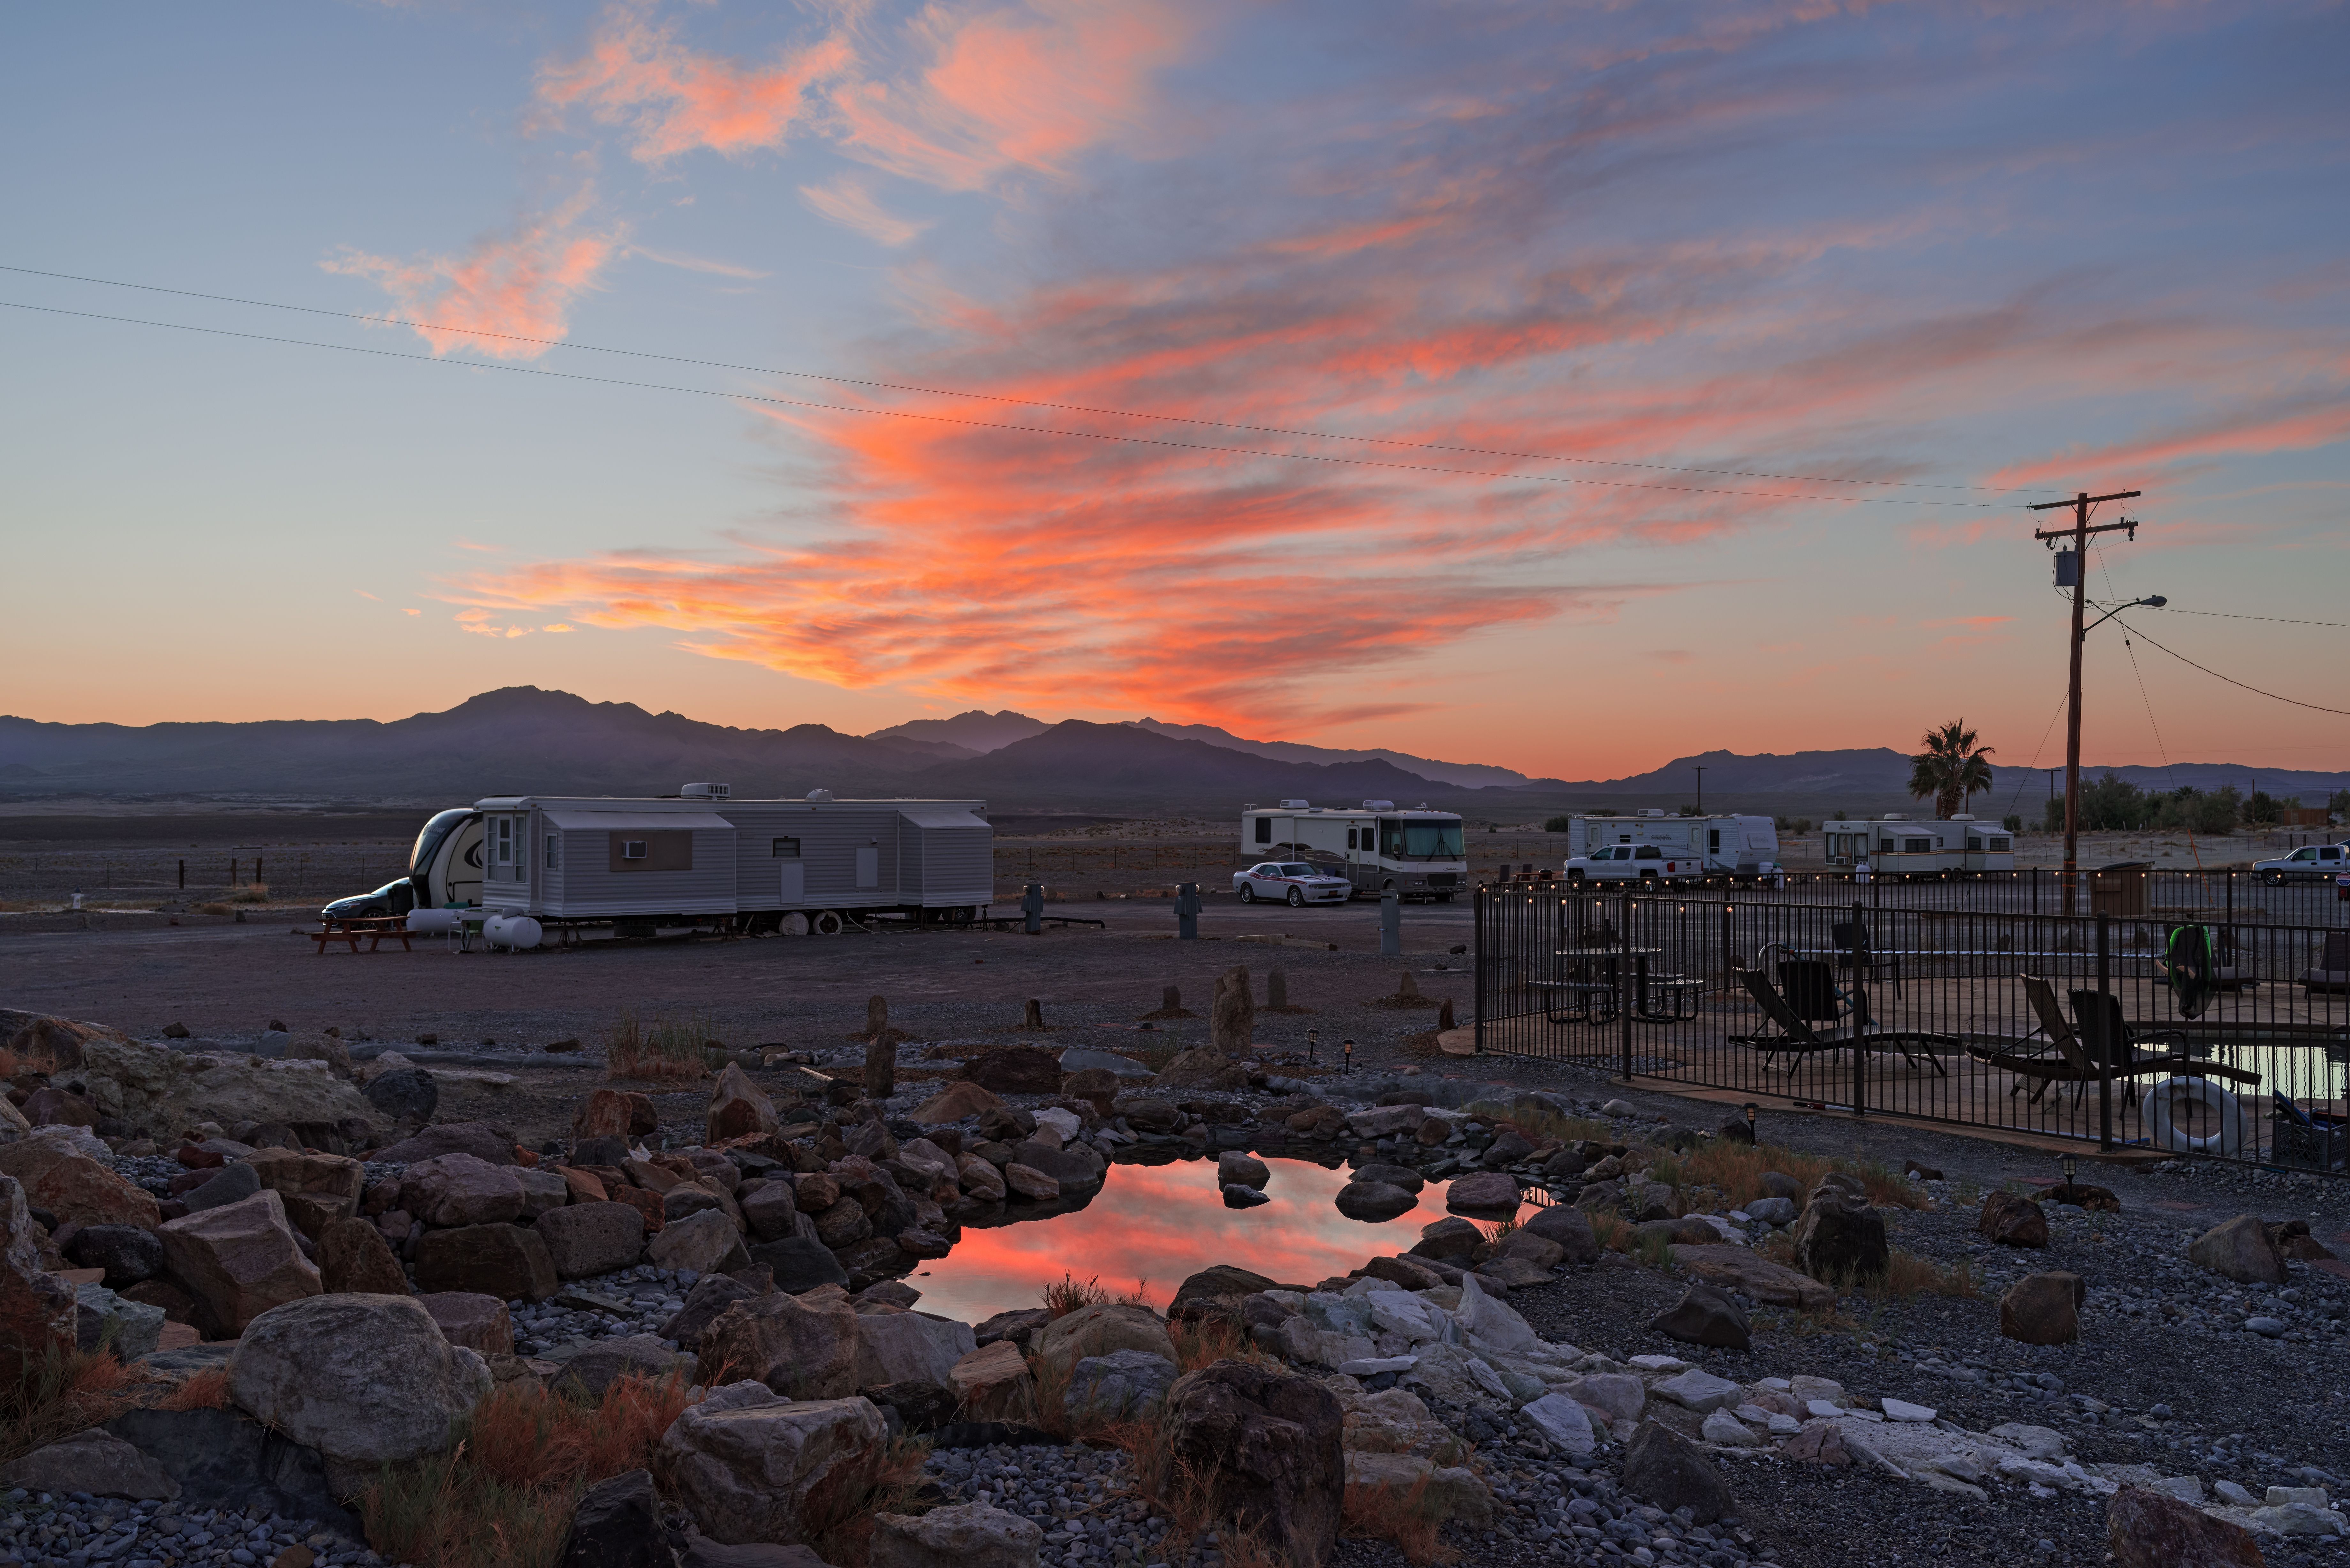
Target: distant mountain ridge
{"type": "Point", "coordinates": [524, 740]}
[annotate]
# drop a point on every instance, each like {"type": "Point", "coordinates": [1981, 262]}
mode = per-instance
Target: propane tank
{"type": "Point", "coordinates": [432, 922]}
{"type": "Point", "coordinates": [516, 932]}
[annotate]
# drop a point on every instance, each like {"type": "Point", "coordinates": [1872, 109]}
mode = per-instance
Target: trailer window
{"type": "Point", "coordinates": [1264, 830]}
{"type": "Point", "coordinates": [1713, 840]}
{"type": "Point", "coordinates": [552, 862]}
{"type": "Point", "coordinates": [785, 849]}
{"type": "Point", "coordinates": [505, 841]}
{"type": "Point", "coordinates": [1917, 846]}
{"type": "Point", "coordinates": [632, 849]}
{"type": "Point", "coordinates": [1431, 840]}
{"type": "Point", "coordinates": [1350, 838]}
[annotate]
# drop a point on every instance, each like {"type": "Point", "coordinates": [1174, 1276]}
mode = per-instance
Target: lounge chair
{"type": "Point", "coordinates": [2304, 1142]}
{"type": "Point", "coordinates": [2071, 1054]}
{"type": "Point", "coordinates": [1796, 1010]}
{"type": "Point", "coordinates": [2332, 971]}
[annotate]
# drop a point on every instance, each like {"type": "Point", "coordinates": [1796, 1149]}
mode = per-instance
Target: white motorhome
{"type": "Point", "coordinates": [1669, 848]}
{"type": "Point", "coordinates": [1416, 853]}
{"type": "Point", "coordinates": [1896, 846]}
{"type": "Point", "coordinates": [686, 858]}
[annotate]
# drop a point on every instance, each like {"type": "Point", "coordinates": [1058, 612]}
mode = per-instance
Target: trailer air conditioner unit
{"type": "Point", "coordinates": [1379, 805]}
{"type": "Point", "coordinates": [1292, 806]}
{"type": "Point", "coordinates": [706, 792]}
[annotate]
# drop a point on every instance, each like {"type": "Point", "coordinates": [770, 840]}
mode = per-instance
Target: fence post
{"type": "Point", "coordinates": [1860, 935]}
{"type": "Point", "coordinates": [1624, 986]}
{"type": "Point", "coordinates": [2107, 1045]}
{"type": "Point", "coordinates": [183, 876]}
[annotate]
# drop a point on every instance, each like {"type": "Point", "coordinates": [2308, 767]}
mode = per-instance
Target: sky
{"type": "Point", "coordinates": [1565, 386]}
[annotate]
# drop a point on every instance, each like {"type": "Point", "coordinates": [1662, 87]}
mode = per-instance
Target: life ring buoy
{"type": "Point", "coordinates": [2156, 1107]}
{"type": "Point", "coordinates": [827, 923]}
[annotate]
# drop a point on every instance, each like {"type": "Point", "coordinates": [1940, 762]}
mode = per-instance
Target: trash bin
{"type": "Point", "coordinates": [2122, 888]}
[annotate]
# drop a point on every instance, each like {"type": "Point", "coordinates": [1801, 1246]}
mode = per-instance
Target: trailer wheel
{"type": "Point", "coordinates": [827, 923]}
{"type": "Point", "coordinates": [793, 924]}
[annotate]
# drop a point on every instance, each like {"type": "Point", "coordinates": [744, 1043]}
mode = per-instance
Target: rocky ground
{"type": "Point", "coordinates": [2208, 1386]}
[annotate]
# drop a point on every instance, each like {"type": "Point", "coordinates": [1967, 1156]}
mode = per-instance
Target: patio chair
{"type": "Point", "coordinates": [2304, 1142]}
{"type": "Point", "coordinates": [1851, 941]}
{"type": "Point", "coordinates": [2070, 1055]}
{"type": "Point", "coordinates": [1796, 1036]}
{"type": "Point", "coordinates": [2332, 971]}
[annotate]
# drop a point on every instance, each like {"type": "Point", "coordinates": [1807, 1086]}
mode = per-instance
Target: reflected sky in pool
{"type": "Point", "coordinates": [1161, 1224]}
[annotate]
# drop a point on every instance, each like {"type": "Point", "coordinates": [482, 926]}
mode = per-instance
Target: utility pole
{"type": "Point", "coordinates": [2079, 534]}
{"type": "Point", "coordinates": [1700, 787]}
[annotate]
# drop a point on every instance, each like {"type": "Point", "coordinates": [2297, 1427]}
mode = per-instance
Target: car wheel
{"type": "Point", "coordinates": [1296, 898]}
{"type": "Point", "coordinates": [1575, 876]}
{"type": "Point", "coordinates": [1248, 893]}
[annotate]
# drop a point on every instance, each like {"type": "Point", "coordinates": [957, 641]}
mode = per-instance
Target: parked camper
{"type": "Point", "coordinates": [700, 858]}
{"type": "Point", "coordinates": [1895, 846]}
{"type": "Point", "coordinates": [1377, 848]}
{"type": "Point", "coordinates": [1651, 846]}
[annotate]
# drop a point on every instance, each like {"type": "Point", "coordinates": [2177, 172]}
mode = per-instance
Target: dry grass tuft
{"type": "Point", "coordinates": [505, 1496]}
{"type": "Point", "coordinates": [62, 1393]}
{"type": "Point", "coordinates": [659, 1050]}
{"type": "Point", "coordinates": [837, 1519]}
{"type": "Point", "coordinates": [1067, 1294]}
{"type": "Point", "coordinates": [205, 1390]}
{"type": "Point", "coordinates": [1738, 1169]}
{"type": "Point", "coordinates": [1908, 1275]}
{"type": "Point", "coordinates": [251, 893]}
{"type": "Point", "coordinates": [1886, 1187]}
{"type": "Point", "coordinates": [1206, 1341]}
{"type": "Point", "coordinates": [1612, 1229]}
{"type": "Point", "coordinates": [1408, 1517]}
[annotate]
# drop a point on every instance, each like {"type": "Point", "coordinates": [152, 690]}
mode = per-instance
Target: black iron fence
{"type": "Point", "coordinates": [2158, 893]}
{"type": "Point", "coordinates": [2222, 1037]}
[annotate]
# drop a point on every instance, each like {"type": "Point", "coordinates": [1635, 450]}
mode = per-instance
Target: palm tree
{"type": "Point", "coordinates": [1950, 769]}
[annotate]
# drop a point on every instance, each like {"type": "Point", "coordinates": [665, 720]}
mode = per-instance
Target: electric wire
{"type": "Point", "coordinates": [996, 398]}
{"type": "Point", "coordinates": [2280, 620]}
{"type": "Point", "coordinates": [2294, 701]}
{"type": "Point", "coordinates": [998, 425]}
{"type": "Point", "coordinates": [2170, 775]}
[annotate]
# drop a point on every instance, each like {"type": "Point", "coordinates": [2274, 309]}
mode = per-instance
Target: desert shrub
{"type": "Point", "coordinates": [59, 1394]}
{"type": "Point", "coordinates": [1738, 1169]}
{"type": "Point", "coordinates": [1907, 1274]}
{"type": "Point", "coordinates": [204, 1390]}
{"type": "Point", "coordinates": [1612, 1229]}
{"type": "Point", "coordinates": [656, 1049]}
{"type": "Point", "coordinates": [1654, 1250]}
{"type": "Point", "coordinates": [1408, 1517]}
{"type": "Point", "coordinates": [215, 908]}
{"type": "Point", "coordinates": [1886, 1187]}
{"type": "Point", "coordinates": [251, 893]}
{"type": "Point", "coordinates": [1206, 1341]}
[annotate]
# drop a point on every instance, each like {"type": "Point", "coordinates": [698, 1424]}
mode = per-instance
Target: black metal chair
{"type": "Point", "coordinates": [2304, 1142]}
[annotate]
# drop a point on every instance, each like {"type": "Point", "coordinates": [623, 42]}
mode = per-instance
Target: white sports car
{"type": "Point", "coordinates": [1292, 882]}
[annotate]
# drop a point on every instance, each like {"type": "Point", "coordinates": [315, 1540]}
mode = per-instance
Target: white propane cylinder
{"type": "Point", "coordinates": [511, 931]}
{"type": "Point", "coordinates": [432, 922]}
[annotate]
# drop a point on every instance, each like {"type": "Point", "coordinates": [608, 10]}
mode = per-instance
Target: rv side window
{"type": "Point", "coordinates": [505, 841]}
{"type": "Point", "coordinates": [1264, 830]}
{"type": "Point", "coordinates": [632, 849]}
{"type": "Point", "coordinates": [1623, 838]}
{"type": "Point", "coordinates": [552, 862]}
{"type": "Point", "coordinates": [785, 849]}
{"type": "Point", "coordinates": [1713, 839]}
{"type": "Point", "coordinates": [1917, 846]}
{"type": "Point", "coordinates": [2000, 844]}
{"type": "Point", "coordinates": [1350, 838]}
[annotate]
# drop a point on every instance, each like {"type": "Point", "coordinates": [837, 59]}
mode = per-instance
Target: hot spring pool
{"type": "Point", "coordinates": [1161, 1224]}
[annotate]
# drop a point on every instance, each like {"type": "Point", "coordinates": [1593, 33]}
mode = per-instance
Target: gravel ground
{"type": "Point", "coordinates": [74, 1529]}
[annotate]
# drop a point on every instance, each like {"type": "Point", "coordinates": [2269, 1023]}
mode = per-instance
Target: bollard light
{"type": "Point", "coordinates": [1750, 1108]}
{"type": "Point", "coordinates": [2071, 1165]}
{"type": "Point", "coordinates": [1313, 1036]}
{"type": "Point", "coordinates": [1349, 1046]}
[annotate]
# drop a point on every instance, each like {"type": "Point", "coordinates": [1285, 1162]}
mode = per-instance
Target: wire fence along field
{"type": "Point", "coordinates": [2209, 1036]}
{"type": "Point", "coordinates": [138, 875]}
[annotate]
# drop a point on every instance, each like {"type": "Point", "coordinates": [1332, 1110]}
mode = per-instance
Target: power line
{"type": "Point", "coordinates": [997, 425]}
{"type": "Point", "coordinates": [2233, 681]}
{"type": "Point", "coordinates": [2280, 620]}
{"type": "Point", "coordinates": [995, 398]}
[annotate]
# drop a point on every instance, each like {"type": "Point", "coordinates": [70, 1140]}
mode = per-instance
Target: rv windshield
{"type": "Point", "coordinates": [1431, 840]}
{"type": "Point", "coordinates": [428, 841]}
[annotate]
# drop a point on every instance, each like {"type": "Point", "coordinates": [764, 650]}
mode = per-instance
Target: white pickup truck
{"type": "Point", "coordinates": [2310, 860]}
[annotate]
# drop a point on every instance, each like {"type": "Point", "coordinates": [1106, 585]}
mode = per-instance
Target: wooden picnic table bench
{"type": "Point", "coordinates": [371, 928]}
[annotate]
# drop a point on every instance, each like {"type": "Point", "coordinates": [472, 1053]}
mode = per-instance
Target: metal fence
{"type": "Point", "coordinates": [2158, 893]}
{"type": "Point", "coordinates": [2216, 1037]}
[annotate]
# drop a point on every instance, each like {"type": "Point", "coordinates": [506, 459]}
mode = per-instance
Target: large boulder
{"type": "Point", "coordinates": [37, 1037]}
{"type": "Point", "coordinates": [1840, 1237]}
{"type": "Point", "coordinates": [801, 1264]}
{"type": "Point", "coordinates": [1567, 1226]}
{"type": "Point", "coordinates": [355, 1259]}
{"type": "Point", "coordinates": [2044, 1308]}
{"type": "Point", "coordinates": [1119, 1387]}
{"type": "Point", "coordinates": [1099, 1330]}
{"type": "Point", "coordinates": [583, 1239]}
{"type": "Point", "coordinates": [956, 1102]}
{"type": "Point", "coordinates": [962, 1535]}
{"type": "Point", "coordinates": [1663, 1468]}
{"type": "Point", "coordinates": [1373, 1202]}
{"type": "Point", "coordinates": [366, 1380]}
{"type": "Point", "coordinates": [598, 1364]}
{"type": "Point", "coordinates": [2146, 1528]}
{"type": "Point", "coordinates": [618, 1524]}
{"type": "Point", "coordinates": [169, 1092]}
{"type": "Point", "coordinates": [738, 1108]}
{"type": "Point", "coordinates": [503, 1261]}
{"type": "Point", "coordinates": [1483, 1193]}
{"type": "Point", "coordinates": [480, 1139]}
{"type": "Point", "coordinates": [1731, 1267]}
{"type": "Point", "coordinates": [1216, 1294]}
{"type": "Point", "coordinates": [2241, 1249]}
{"type": "Point", "coordinates": [2012, 1220]}
{"type": "Point", "coordinates": [452, 1189]}
{"type": "Point", "coordinates": [1203, 1068]}
{"type": "Point", "coordinates": [910, 1348]}
{"type": "Point", "coordinates": [241, 1260]}
{"type": "Point", "coordinates": [1269, 1442]}
{"type": "Point", "coordinates": [92, 1461]}
{"type": "Point", "coordinates": [993, 1383]}
{"type": "Point", "coordinates": [702, 1242]}
{"type": "Point", "coordinates": [130, 1328]}
{"type": "Point", "coordinates": [408, 1095]}
{"type": "Point", "coordinates": [803, 1347]}
{"type": "Point", "coordinates": [74, 1186]}
{"type": "Point", "coordinates": [742, 1462]}
{"type": "Point", "coordinates": [1016, 1070]}
{"type": "Point", "coordinates": [478, 1323]}
{"type": "Point", "coordinates": [129, 1253]}
{"type": "Point", "coordinates": [1232, 1016]}
{"type": "Point", "coordinates": [606, 1113]}
{"type": "Point", "coordinates": [711, 1294]}
{"type": "Point", "coordinates": [1705, 1315]}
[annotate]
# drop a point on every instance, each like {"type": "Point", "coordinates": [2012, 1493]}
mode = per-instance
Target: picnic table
{"type": "Point", "coordinates": [373, 929]}
{"type": "Point", "coordinates": [1591, 998]}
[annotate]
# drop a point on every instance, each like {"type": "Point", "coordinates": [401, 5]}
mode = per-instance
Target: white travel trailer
{"type": "Point", "coordinates": [639, 864]}
{"type": "Point", "coordinates": [1895, 846]}
{"type": "Point", "coordinates": [1416, 853]}
{"type": "Point", "coordinates": [1669, 848]}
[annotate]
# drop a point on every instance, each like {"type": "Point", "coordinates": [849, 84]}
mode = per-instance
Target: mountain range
{"type": "Point", "coordinates": [524, 740]}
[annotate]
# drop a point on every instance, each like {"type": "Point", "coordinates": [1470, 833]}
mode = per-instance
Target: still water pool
{"type": "Point", "coordinates": [1159, 1224]}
